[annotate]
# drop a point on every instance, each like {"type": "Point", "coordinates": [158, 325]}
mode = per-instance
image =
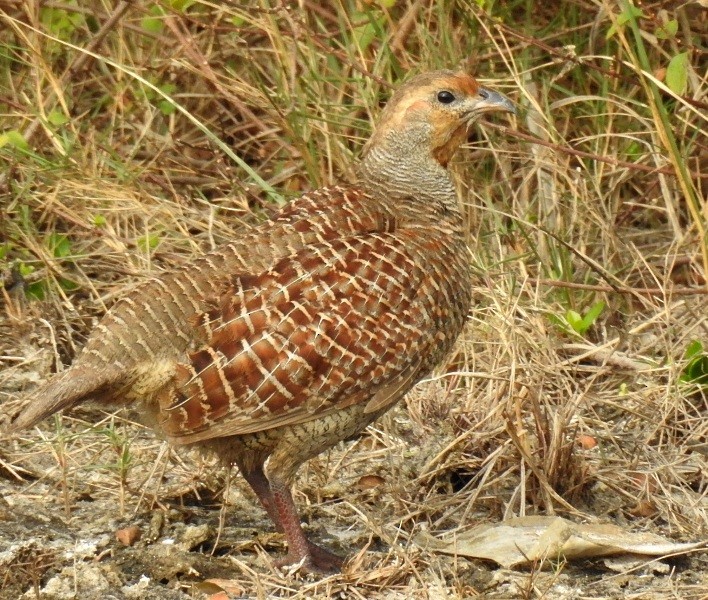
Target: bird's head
{"type": "Point", "coordinates": [434, 111]}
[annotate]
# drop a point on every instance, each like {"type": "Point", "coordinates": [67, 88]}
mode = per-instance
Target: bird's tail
{"type": "Point", "coordinates": [63, 390]}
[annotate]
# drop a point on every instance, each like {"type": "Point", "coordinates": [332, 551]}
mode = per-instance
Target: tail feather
{"type": "Point", "coordinates": [64, 390]}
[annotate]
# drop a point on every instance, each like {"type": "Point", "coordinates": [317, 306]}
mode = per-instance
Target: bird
{"type": "Point", "coordinates": [306, 328]}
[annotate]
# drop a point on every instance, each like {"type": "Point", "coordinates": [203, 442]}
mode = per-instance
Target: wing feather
{"type": "Point", "coordinates": [334, 324]}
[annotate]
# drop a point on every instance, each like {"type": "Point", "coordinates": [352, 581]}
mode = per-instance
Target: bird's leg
{"type": "Point", "coordinates": [255, 477]}
{"type": "Point", "coordinates": [278, 503]}
{"type": "Point", "coordinates": [314, 558]}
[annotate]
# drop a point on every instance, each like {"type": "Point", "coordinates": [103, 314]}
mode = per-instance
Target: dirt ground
{"type": "Point", "coordinates": [186, 540]}
{"type": "Point", "coordinates": [69, 491]}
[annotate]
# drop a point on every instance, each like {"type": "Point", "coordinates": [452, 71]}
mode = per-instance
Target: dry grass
{"type": "Point", "coordinates": [154, 139]}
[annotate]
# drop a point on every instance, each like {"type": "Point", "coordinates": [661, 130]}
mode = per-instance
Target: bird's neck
{"type": "Point", "coordinates": [403, 167]}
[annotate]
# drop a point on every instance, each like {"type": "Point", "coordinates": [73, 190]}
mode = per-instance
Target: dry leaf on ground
{"type": "Point", "coordinates": [526, 540]}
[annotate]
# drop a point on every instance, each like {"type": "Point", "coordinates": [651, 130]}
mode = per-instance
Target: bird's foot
{"type": "Point", "coordinates": [316, 560]}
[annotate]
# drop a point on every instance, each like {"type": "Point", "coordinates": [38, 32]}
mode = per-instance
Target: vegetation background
{"type": "Point", "coordinates": [135, 135]}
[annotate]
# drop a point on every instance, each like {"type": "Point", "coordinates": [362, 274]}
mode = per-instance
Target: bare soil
{"type": "Point", "coordinates": [65, 498]}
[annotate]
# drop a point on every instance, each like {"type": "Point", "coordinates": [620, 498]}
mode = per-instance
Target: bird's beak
{"type": "Point", "coordinates": [494, 101]}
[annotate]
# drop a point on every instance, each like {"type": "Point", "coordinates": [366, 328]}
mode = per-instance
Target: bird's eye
{"type": "Point", "coordinates": [446, 97]}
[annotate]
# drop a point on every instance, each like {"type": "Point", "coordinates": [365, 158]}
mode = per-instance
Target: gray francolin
{"type": "Point", "coordinates": [305, 329]}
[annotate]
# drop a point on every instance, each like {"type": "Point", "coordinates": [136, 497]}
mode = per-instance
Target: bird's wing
{"type": "Point", "coordinates": [334, 324]}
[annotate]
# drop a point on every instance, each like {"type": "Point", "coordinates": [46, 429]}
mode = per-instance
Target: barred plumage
{"type": "Point", "coordinates": [304, 330]}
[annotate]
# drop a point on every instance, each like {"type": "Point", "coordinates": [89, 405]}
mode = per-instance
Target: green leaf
{"type": "Point", "coordinates": [677, 73]}
{"type": "Point", "coordinates": [368, 32]}
{"type": "Point", "coordinates": [59, 245]}
{"type": "Point", "coordinates": [693, 349]}
{"type": "Point", "coordinates": [590, 317]}
{"type": "Point", "coordinates": [166, 107]}
{"type": "Point", "coordinates": [168, 88]}
{"type": "Point", "coordinates": [59, 22]}
{"type": "Point", "coordinates": [575, 321]}
{"type": "Point", "coordinates": [696, 369]}
{"type": "Point", "coordinates": [181, 5]}
{"type": "Point", "coordinates": [67, 285]}
{"type": "Point", "coordinates": [580, 324]}
{"type": "Point", "coordinates": [25, 270]}
{"type": "Point", "coordinates": [13, 138]}
{"type": "Point", "coordinates": [153, 23]}
{"type": "Point", "coordinates": [148, 242]}
{"type": "Point", "coordinates": [634, 150]}
{"type": "Point", "coordinates": [667, 31]}
{"type": "Point", "coordinates": [57, 118]}
{"type": "Point", "coordinates": [37, 290]}
{"type": "Point", "coordinates": [99, 220]}
{"type": "Point", "coordinates": [629, 14]}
